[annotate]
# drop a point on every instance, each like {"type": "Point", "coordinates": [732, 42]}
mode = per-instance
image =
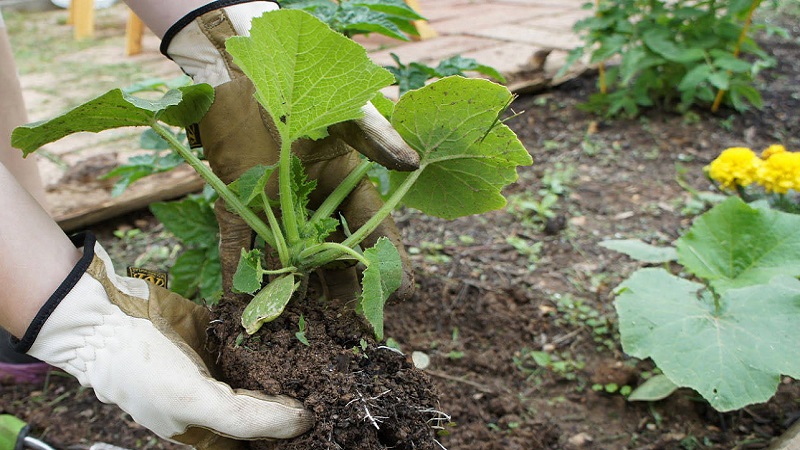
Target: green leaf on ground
{"type": "Point", "coordinates": [115, 109]}
{"type": "Point", "coordinates": [656, 388]}
{"type": "Point", "coordinates": [268, 303]}
{"type": "Point", "coordinates": [321, 78]}
{"type": "Point", "coordinates": [191, 220]}
{"type": "Point", "coordinates": [467, 154]}
{"type": "Point", "coordinates": [381, 279]}
{"type": "Point", "coordinates": [732, 356]}
{"type": "Point", "coordinates": [641, 251]}
{"type": "Point", "coordinates": [735, 244]}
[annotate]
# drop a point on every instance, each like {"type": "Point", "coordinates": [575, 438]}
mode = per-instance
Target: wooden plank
{"type": "Point", "coordinates": [79, 206]}
{"type": "Point", "coordinates": [134, 31]}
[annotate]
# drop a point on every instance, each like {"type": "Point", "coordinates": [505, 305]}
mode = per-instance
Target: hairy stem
{"type": "Point", "coordinates": [372, 224]}
{"type": "Point", "coordinates": [212, 179]}
{"type": "Point", "coordinates": [285, 195]}
{"type": "Point", "coordinates": [280, 242]}
{"type": "Point", "coordinates": [341, 192]}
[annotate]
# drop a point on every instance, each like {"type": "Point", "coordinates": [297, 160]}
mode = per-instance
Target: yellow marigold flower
{"type": "Point", "coordinates": [780, 173]}
{"type": "Point", "coordinates": [735, 166]}
{"type": "Point", "coordinates": [772, 150]}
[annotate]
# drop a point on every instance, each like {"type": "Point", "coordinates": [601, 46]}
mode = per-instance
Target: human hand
{"type": "Point", "coordinates": [238, 134]}
{"type": "Point", "coordinates": [144, 348]}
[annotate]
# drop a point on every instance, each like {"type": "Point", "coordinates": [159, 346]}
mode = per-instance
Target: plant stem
{"type": "Point", "coordinates": [285, 195]}
{"type": "Point", "coordinates": [341, 192]}
{"type": "Point", "coordinates": [212, 179]}
{"type": "Point", "coordinates": [372, 224]}
{"type": "Point", "coordinates": [334, 247]}
{"type": "Point", "coordinates": [738, 49]}
{"type": "Point", "coordinates": [280, 242]}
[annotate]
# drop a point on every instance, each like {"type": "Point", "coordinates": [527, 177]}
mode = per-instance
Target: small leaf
{"type": "Point", "coordinates": [641, 251]}
{"type": "Point", "coordinates": [301, 333]}
{"type": "Point", "coordinates": [656, 388]}
{"type": "Point", "coordinates": [467, 155]}
{"type": "Point", "coordinates": [381, 278]}
{"type": "Point", "coordinates": [116, 109]}
{"type": "Point", "coordinates": [269, 303]}
{"type": "Point", "coordinates": [249, 272]}
{"type": "Point", "coordinates": [252, 183]}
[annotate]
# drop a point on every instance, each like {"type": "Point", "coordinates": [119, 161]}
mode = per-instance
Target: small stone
{"type": "Point", "coordinates": [580, 440]}
{"type": "Point", "coordinates": [421, 360]}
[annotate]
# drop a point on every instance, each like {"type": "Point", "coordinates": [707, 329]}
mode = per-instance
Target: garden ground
{"type": "Point", "coordinates": [515, 307]}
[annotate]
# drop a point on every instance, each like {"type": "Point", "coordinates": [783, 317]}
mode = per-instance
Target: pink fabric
{"type": "Point", "coordinates": [26, 373]}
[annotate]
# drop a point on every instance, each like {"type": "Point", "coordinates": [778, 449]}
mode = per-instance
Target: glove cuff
{"type": "Point", "coordinates": [87, 240]}
{"type": "Point", "coordinates": [196, 42]}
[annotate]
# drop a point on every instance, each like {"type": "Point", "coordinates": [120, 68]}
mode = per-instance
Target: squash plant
{"type": "Point", "coordinates": [467, 155]}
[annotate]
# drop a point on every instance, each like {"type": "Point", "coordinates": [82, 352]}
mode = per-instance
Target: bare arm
{"type": "Point", "coordinates": [36, 255]}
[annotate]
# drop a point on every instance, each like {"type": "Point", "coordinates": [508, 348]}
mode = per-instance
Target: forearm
{"type": "Point", "coordinates": [159, 15]}
{"type": "Point", "coordinates": [12, 115]}
{"type": "Point", "coordinates": [35, 256]}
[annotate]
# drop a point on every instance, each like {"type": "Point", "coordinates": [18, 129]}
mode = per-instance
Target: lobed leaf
{"type": "Point", "coordinates": [467, 155]}
{"type": "Point", "coordinates": [319, 79]}
{"type": "Point", "coordinates": [733, 356]}
{"type": "Point", "coordinates": [735, 244]}
{"type": "Point", "coordinates": [114, 109]}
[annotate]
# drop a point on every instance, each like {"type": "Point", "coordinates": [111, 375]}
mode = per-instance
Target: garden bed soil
{"type": "Point", "coordinates": [496, 289]}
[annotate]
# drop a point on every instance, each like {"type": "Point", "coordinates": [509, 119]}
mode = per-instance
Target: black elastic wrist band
{"type": "Point", "coordinates": [187, 19]}
{"type": "Point", "coordinates": [87, 240]}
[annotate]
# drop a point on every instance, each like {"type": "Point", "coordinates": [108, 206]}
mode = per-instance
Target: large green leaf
{"type": "Point", "coordinates": [319, 77]}
{"type": "Point", "coordinates": [268, 303]}
{"type": "Point", "coordinates": [466, 154]}
{"type": "Point", "coordinates": [733, 356]}
{"type": "Point", "coordinates": [735, 244]}
{"type": "Point", "coordinates": [115, 109]}
{"type": "Point", "coordinates": [381, 279]}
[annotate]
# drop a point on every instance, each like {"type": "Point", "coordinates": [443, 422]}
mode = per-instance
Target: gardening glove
{"type": "Point", "coordinates": [238, 134]}
{"type": "Point", "coordinates": [143, 348]}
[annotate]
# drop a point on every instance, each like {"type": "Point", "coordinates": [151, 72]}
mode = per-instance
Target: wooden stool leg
{"type": "Point", "coordinates": [134, 31]}
{"type": "Point", "coordinates": [82, 14]}
{"type": "Point", "coordinates": [423, 28]}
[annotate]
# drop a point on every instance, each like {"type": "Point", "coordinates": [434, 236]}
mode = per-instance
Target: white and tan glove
{"type": "Point", "coordinates": [143, 348]}
{"type": "Point", "coordinates": [237, 134]}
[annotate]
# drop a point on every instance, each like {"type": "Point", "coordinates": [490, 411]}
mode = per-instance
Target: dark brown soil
{"type": "Point", "coordinates": [495, 288]}
{"type": "Point", "coordinates": [363, 395]}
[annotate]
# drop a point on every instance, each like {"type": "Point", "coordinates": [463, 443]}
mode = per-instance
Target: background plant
{"type": "Point", "coordinates": [727, 325]}
{"type": "Point", "coordinates": [392, 18]}
{"type": "Point", "coordinates": [672, 54]}
{"type": "Point", "coordinates": [415, 74]}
